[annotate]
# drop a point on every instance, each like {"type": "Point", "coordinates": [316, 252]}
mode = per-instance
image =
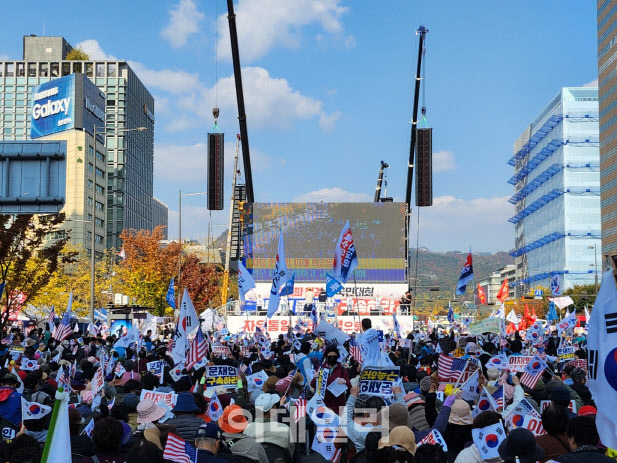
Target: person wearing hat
{"type": "Point", "coordinates": [265, 429]}
{"type": "Point", "coordinates": [400, 445]}
{"type": "Point", "coordinates": [208, 439]}
{"type": "Point", "coordinates": [186, 422]}
{"type": "Point", "coordinates": [471, 454]}
{"type": "Point", "coordinates": [520, 447]}
{"type": "Point", "coordinates": [233, 423]}
{"type": "Point", "coordinates": [458, 430]}
{"type": "Point", "coordinates": [561, 397]}
{"type": "Point", "coordinates": [10, 400]}
{"type": "Point", "coordinates": [579, 378]}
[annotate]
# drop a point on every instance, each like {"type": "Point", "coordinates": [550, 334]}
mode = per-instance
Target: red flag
{"type": "Point", "coordinates": [504, 291]}
{"type": "Point", "coordinates": [534, 317]}
{"type": "Point", "coordinates": [481, 294]}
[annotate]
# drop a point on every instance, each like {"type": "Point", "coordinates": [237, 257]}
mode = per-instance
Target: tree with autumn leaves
{"type": "Point", "coordinates": [148, 268]}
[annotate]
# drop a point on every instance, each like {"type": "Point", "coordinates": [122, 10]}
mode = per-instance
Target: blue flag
{"type": "Point", "coordinates": [171, 295]}
{"type": "Point", "coordinates": [288, 289]}
{"type": "Point", "coordinates": [450, 313]}
{"type": "Point", "coordinates": [552, 313]}
{"type": "Point", "coordinates": [280, 277]}
{"type": "Point", "coordinates": [333, 286]}
{"type": "Point", "coordinates": [466, 276]}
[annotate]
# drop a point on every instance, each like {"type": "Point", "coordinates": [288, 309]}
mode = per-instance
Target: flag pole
{"type": "Point", "coordinates": [357, 311]}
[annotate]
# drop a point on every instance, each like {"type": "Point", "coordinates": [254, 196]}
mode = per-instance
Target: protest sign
{"type": "Point", "coordinates": [169, 398]}
{"type": "Point", "coordinates": [156, 368]}
{"type": "Point", "coordinates": [571, 405]}
{"type": "Point", "coordinates": [565, 353]}
{"type": "Point", "coordinates": [221, 351]}
{"type": "Point", "coordinates": [578, 364]}
{"type": "Point", "coordinates": [519, 362]}
{"type": "Point", "coordinates": [488, 325]}
{"type": "Point", "coordinates": [379, 381]}
{"type": "Point", "coordinates": [221, 375]}
{"type": "Point", "coordinates": [322, 382]}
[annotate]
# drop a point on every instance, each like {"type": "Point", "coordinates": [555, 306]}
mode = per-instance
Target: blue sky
{"type": "Point", "coordinates": [328, 87]}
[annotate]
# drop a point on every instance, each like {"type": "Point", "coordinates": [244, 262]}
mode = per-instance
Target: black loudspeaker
{"type": "Point", "coordinates": [424, 167]}
{"type": "Point", "coordinates": [216, 171]}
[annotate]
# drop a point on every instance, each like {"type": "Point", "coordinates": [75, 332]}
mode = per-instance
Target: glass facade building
{"type": "Point", "coordinates": [557, 194]}
{"type": "Point", "coordinates": [129, 104]}
{"type": "Point", "coordinates": [607, 91]}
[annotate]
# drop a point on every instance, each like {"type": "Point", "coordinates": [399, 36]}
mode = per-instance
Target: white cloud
{"type": "Point", "coordinates": [172, 81]}
{"type": "Point", "coordinates": [189, 163]}
{"type": "Point", "coordinates": [270, 101]}
{"type": "Point", "coordinates": [94, 50]}
{"type": "Point", "coordinates": [443, 160]}
{"type": "Point", "coordinates": [593, 83]}
{"type": "Point", "coordinates": [265, 24]}
{"type": "Point", "coordinates": [196, 219]}
{"type": "Point", "coordinates": [184, 19]}
{"type": "Point", "coordinates": [455, 224]}
{"type": "Point", "coordinates": [326, 121]}
{"type": "Point", "coordinates": [332, 195]}
{"type": "Point", "coordinates": [350, 42]}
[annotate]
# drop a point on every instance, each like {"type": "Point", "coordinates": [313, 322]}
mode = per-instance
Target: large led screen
{"type": "Point", "coordinates": [310, 233]}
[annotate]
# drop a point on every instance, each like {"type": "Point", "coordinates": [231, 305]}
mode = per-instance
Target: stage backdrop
{"type": "Point", "coordinates": [311, 231]}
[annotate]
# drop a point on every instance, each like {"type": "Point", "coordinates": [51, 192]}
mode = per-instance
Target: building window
{"type": "Point", "coordinates": [100, 173]}
{"type": "Point", "coordinates": [21, 72]}
{"type": "Point", "coordinates": [111, 69]}
{"type": "Point", "coordinates": [55, 69]}
{"type": "Point", "coordinates": [99, 206]}
{"type": "Point", "coordinates": [100, 69]}
{"type": "Point", "coordinates": [90, 167]}
{"type": "Point", "coordinates": [77, 67]}
{"type": "Point", "coordinates": [89, 69]}
{"type": "Point", "coordinates": [31, 69]}
{"type": "Point", "coordinates": [66, 69]}
{"type": "Point", "coordinates": [98, 239]}
{"type": "Point", "coordinates": [99, 222]}
{"type": "Point", "coordinates": [10, 69]}
{"type": "Point", "coordinates": [89, 235]}
{"type": "Point", "coordinates": [89, 202]}
{"type": "Point", "coordinates": [100, 157]}
{"type": "Point", "coordinates": [99, 189]}
{"type": "Point", "coordinates": [90, 184]}
{"type": "Point", "coordinates": [111, 103]}
{"type": "Point", "coordinates": [90, 150]}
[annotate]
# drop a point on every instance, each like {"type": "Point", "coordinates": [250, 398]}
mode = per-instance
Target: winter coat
{"type": "Point", "coordinates": [187, 426]}
{"type": "Point", "coordinates": [417, 418]}
{"type": "Point", "coordinates": [553, 446]}
{"type": "Point", "coordinates": [583, 392]}
{"type": "Point", "coordinates": [245, 447]}
{"type": "Point", "coordinates": [472, 455]}
{"type": "Point", "coordinates": [81, 446]}
{"type": "Point", "coordinates": [332, 402]}
{"type": "Point", "coordinates": [585, 454]}
{"type": "Point", "coordinates": [10, 405]}
{"type": "Point", "coordinates": [456, 436]}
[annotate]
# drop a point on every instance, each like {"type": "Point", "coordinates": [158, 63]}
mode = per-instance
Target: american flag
{"type": "Point", "coordinates": [243, 368]}
{"type": "Point", "coordinates": [300, 407]}
{"type": "Point", "coordinates": [354, 349]}
{"type": "Point", "coordinates": [533, 372]}
{"type": "Point", "coordinates": [179, 450]}
{"type": "Point", "coordinates": [450, 368]}
{"type": "Point", "coordinates": [286, 381]}
{"type": "Point", "coordinates": [498, 397]}
{"type": "Point", "coordinates": [63, 379]}
{"type": "Point", "coordinates": [197, 350]}
{"type": "Point", "coordinates": [63, 330]}
{"type": "Point", "coordinates": [52, 315]}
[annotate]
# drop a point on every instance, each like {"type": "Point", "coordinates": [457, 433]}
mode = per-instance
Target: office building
{"type": "Point", "coordinates": [607, 86]}
{"type": "Point", "coordinates": [557, 194]}
{"type": "Point", "coordinates": [160, 216]}
{"type": "Point", "coordinates": [129, 105]}
{"type": "Point", "coordinates": [492, 283]}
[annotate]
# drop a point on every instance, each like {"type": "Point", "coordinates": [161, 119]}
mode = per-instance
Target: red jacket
{"type": "Point", "coordinates": [332, 402]}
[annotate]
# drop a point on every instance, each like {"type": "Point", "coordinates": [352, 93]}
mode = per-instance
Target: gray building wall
{"type": "Point", "coordinates": [160, 216]}
{"type": "Point", "coordinates": [130, 155]}
{"type": "Point", "coordinates": [45, 48]}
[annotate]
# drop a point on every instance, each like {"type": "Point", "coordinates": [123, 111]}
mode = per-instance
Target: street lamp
{"type": "Point", "coordinates": [180, 195]}
{"type": "Point", "coordinates": [595, 253]}
{"type": "Point", "coordinates": [103, 132]}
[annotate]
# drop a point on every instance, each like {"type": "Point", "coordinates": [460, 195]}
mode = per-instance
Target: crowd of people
{"type": "Point", "coordinates": [299, 396]}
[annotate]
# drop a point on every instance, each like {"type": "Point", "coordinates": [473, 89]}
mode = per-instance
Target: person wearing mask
{"type": "Point", "coordinates": [336, 373]}
{"type": "Point", "coordinates": [583, 438]}
{"type": "Point", "coordinates": [107, 436]}
{"type": "Point", "coordinates": [553, 344]}
{"type": "Point", "coordinates": [208, 442]}
{"type": "Point", "coordinates": [579, 380]}
{"type": "Point", "coordinates": [555, 441]}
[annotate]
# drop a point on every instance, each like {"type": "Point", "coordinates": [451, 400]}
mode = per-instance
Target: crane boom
{"type": "Point", "coordinates": [235, 54]}
{"type": "Point", "coordinates": [422, 31]}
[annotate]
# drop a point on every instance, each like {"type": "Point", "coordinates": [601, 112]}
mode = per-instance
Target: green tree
{"type": "Point", "coordinates": [77, 54]}
{"type": "Point", "coordinates": [582, 295]}
{"type": "Point", "coordinates": [27, 260]}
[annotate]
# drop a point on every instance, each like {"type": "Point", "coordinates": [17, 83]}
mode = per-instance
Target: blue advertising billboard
{"type": "Point", "coordinates": [53, 107]}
